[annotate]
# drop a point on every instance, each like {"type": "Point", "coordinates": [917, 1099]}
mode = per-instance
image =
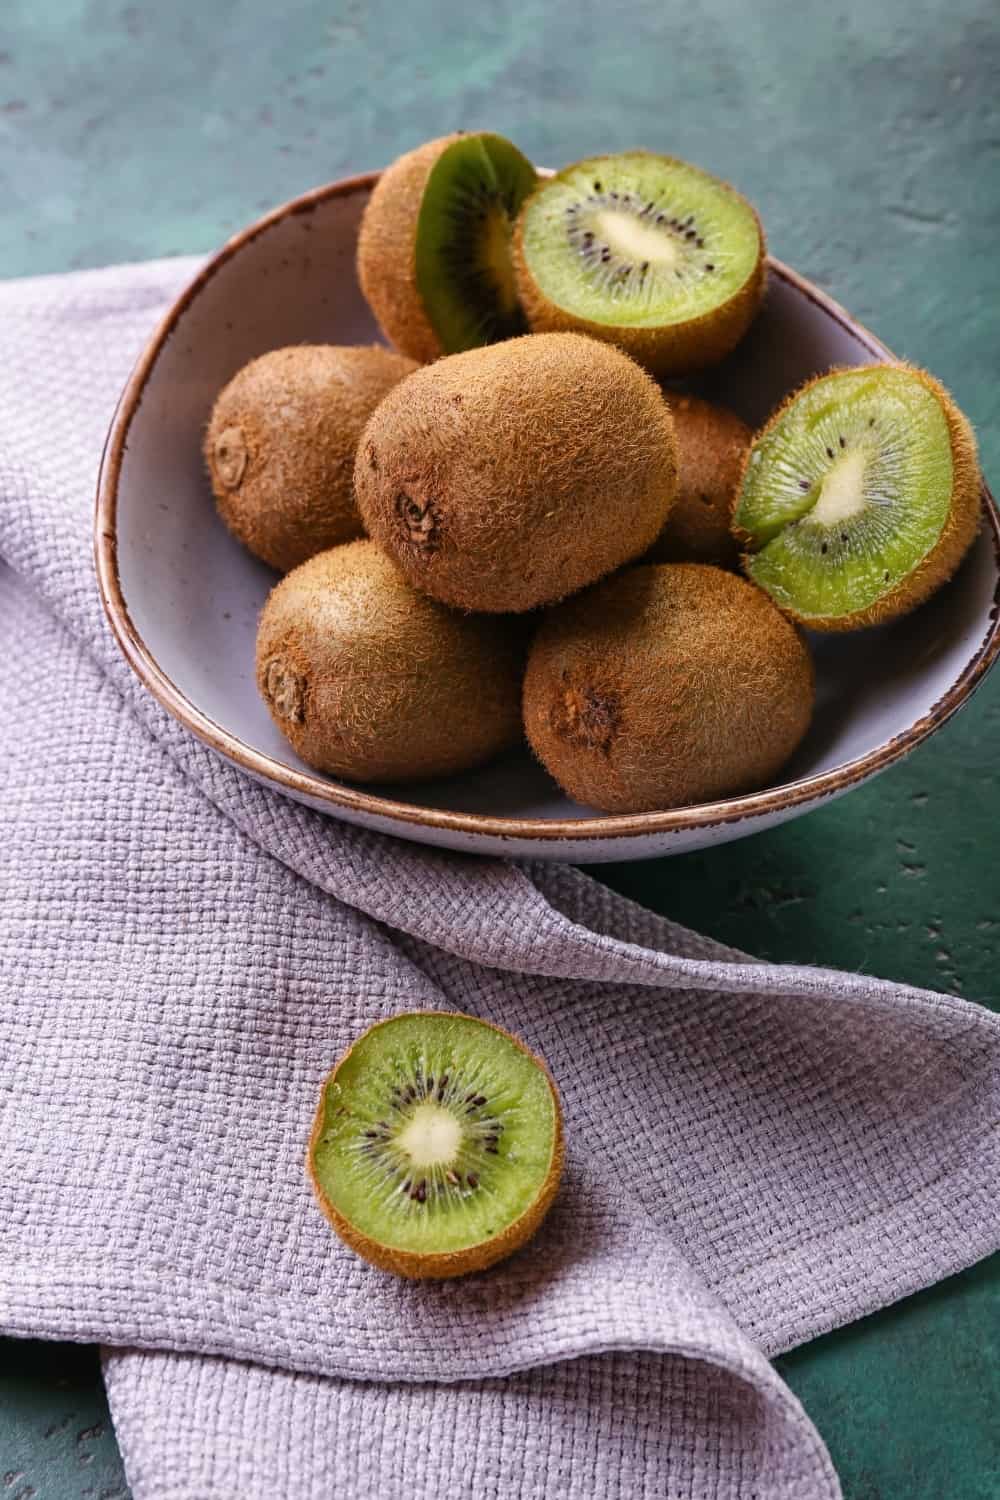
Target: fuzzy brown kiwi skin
{"type": "Point", "coordinates": [712, 444]}
{"type": "Point", "coordinates": [508, 477]}
{"type": "Point", "coordinates": [371, 680]}
{"type": "Point", "coordinates": [281, 441]}
{"type": "Point", "coordinates": [666, 686]}
{"type": "Point", "coordinates": [669, 349]}
{"type": "Point", "coordinates": [386, 257]}
{"type": "Point", "coordinates": [445, 1264]}
{"type": "Point", "coordinates": [959, 532]}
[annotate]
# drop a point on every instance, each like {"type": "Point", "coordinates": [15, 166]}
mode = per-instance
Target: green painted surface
{"type": "Point", "coordinates": [869, 137]}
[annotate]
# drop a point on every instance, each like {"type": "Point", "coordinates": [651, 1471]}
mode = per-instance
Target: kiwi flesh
{"type": "Point", "coordinates": [712, 444]}
{"type": "Point", "coordinates": [645, 251]}
{"type": "Point", "coordinates": [437, 1146]}
{"type": "Point", "coordinates": [281, 441]}
{"type": "Point", "coordinates": [860, 497]}
{"type": "Point", "coordinates": [666, 686]}
{"type": "Point", "coordinates": [434, 249]}
{"type": "Point", "coordinates": [508, 477]}
{"type": "Point", "coordinates": [371, 680]}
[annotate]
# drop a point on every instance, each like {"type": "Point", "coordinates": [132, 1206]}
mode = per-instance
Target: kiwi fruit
{"type": "Point", "coordinates": [508, 477]}
{"type": "Point", "coordinates": [860, 497]}
{"type": "Point", "coordinates": [712, 444]}
{"type": "Point", "coordinates": [437, 1146]}
{"type": "Point", "coordinates": [280, 446]}
{"type": "Point", "coordinates": [434, 249]}
{"type": "Point", "coordinates": [645, 251]}
{"type": "Point", "coordinates": [666, 686]}
{"type": "Point", "coordinates": [369, 679]}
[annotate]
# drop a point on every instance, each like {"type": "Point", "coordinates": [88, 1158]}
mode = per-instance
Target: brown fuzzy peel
{"type": "Point", "coordinates": [281, 442]}
{"type": "Point", "coordinates": [387, 241]}
{"type": "Point", "coordinates": [511, 476]}
{"type": "Point", "coordinates": [369, 679]}
{"type": "Point", "coordinates": [712, 444]}
{"type": "Point", "coordinates": [666, 686]}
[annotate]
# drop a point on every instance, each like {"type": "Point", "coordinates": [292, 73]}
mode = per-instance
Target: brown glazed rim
{"type": "Point", "coordinates": [334, 796]}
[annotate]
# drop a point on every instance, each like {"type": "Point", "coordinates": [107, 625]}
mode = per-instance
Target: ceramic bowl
{"type": "Point", "coordinates": [183, 597]}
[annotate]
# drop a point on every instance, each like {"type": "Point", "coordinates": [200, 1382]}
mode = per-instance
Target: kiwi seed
{"type": "Point", "coordinates": [437, 1146]}
{"type": "Point", "coordinates": [860, 497]}
{"type": "Point", "coordinates": [666, 686]}
{"type": "Point", "coordinates": [370, 680]}
{"type": "Point", "coordinates": [434, 251]}
{"type": "Point", "coordinates": [712, 444]}
{"type": "Point", "coordinates": [644, 251]}
{"type": "Point", "coordinates": [509, 477]}
{"type": "Point", "coordinates": [281, 441]}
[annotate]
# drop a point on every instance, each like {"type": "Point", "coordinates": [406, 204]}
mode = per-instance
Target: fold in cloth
{"type": "Point", "coordinates": [755, 1153]}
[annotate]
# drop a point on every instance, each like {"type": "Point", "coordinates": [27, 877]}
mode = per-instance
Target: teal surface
{"type": "Point", "coordinates": [869, 137]}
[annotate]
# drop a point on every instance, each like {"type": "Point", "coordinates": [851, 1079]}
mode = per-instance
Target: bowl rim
{"type": "Point", "coordinates": [335, 796]}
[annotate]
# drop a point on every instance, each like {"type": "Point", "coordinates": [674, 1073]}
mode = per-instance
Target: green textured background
{"type": "Point", "coordinates": [869, 137]}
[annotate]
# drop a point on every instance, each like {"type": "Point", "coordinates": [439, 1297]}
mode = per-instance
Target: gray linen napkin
{"type": "Point", "coordinates": [756, 1153]}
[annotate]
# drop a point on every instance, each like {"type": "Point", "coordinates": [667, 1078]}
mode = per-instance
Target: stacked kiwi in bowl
{"type": "Point", "coordinates": [518, 521]}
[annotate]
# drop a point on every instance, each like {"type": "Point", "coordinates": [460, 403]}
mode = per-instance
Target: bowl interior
{"type": "Point", "coordinates": [194, 595]}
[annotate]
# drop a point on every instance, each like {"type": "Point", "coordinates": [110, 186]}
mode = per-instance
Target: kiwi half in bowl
{"type": "Point", "coordinates": [437, 1146]}
{"type": "Point", "coordinates": [434, 250]}
{"type": "Point", "coordinates": [860, 497]}
{"type": "Point", "coordinates": [646, 252]}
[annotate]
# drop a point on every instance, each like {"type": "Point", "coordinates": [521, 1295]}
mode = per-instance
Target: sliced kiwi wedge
{"type": "Point", "coordinates": [860, 497]}
{"type": "Point", "coordinates": [434, 249]}
{"type": "Point", "coordinates": [645, 251]}
{"type": "Point", "coordinates": [437, 1146]}
{"type": "Point", "coordinates": [463, 258]}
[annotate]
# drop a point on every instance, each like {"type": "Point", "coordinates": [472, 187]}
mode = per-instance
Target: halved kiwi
{"type": "Point", "coordinates": [437, 1145]}
{"type": "Point", "coordinates": [434, 251]}
{"type": "Point", "coordinates": [643, 251]}
{"type": "Point", "coordinates": [860, 497]}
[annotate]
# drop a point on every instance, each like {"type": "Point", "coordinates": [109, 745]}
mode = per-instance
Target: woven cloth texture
{"type": "Point", "coordinates": [756, 1153]}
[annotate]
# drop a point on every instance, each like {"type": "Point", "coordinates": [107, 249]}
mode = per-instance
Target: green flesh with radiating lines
{"type": "Point", "coordinates": [639, 240]}
{"type": "Point", "coordinates": [847, 492]}
{"type": "Point", "coordinates": [438, 1133]}
{"type": "Point", "coordinates": [463, 261]}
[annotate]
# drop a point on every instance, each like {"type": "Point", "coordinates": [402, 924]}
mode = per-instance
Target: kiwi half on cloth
{"type": "Point", "coordinates": [281, 441]}
{"type": "Point", "coordinates": [369, 679]}
{"type": "Point", "coordinates": [434, 250]}
{"type": "Point", "coordinates": [508, 477]}
{"type": "Point", "coordinates": [646, 252]}
{"type": "Point", "coordinates": [437, 1147]}
{"type": "Point", "coordinates": [665, 687]}
{"type": "Point", "coordinates": [860, 497]}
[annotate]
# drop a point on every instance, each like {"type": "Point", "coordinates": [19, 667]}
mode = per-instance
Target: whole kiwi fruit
{"type": "Point", "coordinates": [371, 680]}
{"type": "Point", "coordinates": [666, 686]}
{"type": "Point", "coordinates": [434, 248]}
{"type": "Point", "coordinates": [281, 441]}
{"type": "Point", "coordinates": [511, 476]}
{"type": "Point", "coordinates": [437, 1146]}
{"type": "Point", "coordinates": [712, 445]}
{"type": "Point", "coordinates": [860, 497]}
